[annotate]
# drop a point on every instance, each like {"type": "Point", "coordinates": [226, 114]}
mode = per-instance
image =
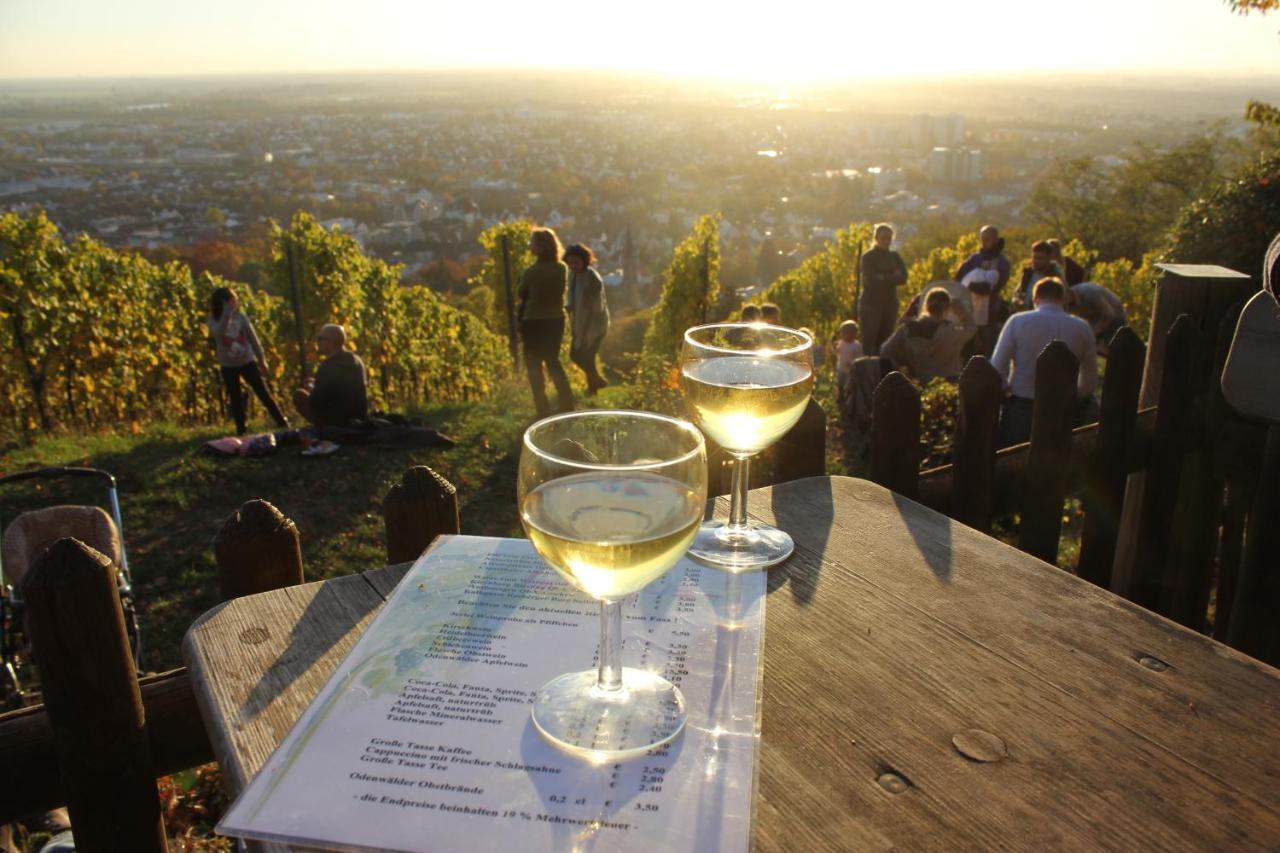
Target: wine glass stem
{"type": "Point", "coordinates": [609, 676]}
{"type": "Point", "coordinates": [739, 484]}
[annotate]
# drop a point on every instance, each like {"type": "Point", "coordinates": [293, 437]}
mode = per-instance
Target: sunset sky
{"type": "Point", "coordinates": [796, 40]}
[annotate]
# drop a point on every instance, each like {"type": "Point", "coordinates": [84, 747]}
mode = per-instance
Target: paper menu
{"type": "Point", "coordinates": [422, 739]}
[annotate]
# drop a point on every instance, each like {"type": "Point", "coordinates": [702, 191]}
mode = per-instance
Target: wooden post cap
{"type": "Point", "coordinates": [257, 550]}
{"type": "Point", "coordinates": [92, 699]}
{"type": "Point", "coordinates": [422, 506]}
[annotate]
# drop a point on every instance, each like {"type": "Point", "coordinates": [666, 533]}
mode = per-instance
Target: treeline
{"type": "Point", "coordinates": [97, 338]}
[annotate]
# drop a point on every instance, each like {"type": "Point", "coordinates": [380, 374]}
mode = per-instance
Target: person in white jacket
{"type": "Point", "coordinates": [240, 356]}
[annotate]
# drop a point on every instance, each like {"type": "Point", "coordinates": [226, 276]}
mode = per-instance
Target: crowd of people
{"type": "Point", "coordinates": [942, 327]}
{"type": "Point", "coordinates": [970, 315]}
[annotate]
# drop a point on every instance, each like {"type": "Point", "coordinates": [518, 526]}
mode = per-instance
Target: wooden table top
{"type": "Point", "coordinates": [925, 686]}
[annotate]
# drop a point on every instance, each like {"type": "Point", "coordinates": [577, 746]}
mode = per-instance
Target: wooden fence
{"type": "Point", "coordinates": [103, 736]}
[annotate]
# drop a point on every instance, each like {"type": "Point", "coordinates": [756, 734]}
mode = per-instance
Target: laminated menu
{"type": "Point", "coordinates": [422, 739]}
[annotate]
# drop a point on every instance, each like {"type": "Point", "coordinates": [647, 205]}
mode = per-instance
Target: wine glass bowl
{"type": "Point", "coordinates": [746, 384]}
{"type": "Point", "coordinates": [611, 500]}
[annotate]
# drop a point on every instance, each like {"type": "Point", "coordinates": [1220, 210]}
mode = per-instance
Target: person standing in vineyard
{"type": "Point", "coordinates": [541, 312]}
{"type": "Point", "coordinates": [240, 356]}
{"type": "Point", "coordinates": [588, 313]}
{"type": "Point", "coordinates": [882, 272]}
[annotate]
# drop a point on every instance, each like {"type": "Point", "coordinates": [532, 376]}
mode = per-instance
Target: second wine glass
{"type": "Point", "coordinates": [746, 385]}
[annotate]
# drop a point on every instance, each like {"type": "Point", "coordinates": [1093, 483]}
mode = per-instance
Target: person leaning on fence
{"type": "Point", "coordinates": [588, 313]}
{"type": "Point", "coordinates": [541, 313]}
{"type": "Point", "coordinates": [338, 395]}
{"type": "Point", "coordinates": [880, 272]}
{"type": "Point", "coordinates": [1023, 338]}
{"type": "Point", "coordinates": [929, 346]}
{"type": "Point", "coordinates": [240, 356]}
{"type": "Point", "coordinates": [1100, 308]}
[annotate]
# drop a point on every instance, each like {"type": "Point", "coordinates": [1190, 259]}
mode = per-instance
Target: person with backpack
{"type": "Point", "coordinates": [240, 357]}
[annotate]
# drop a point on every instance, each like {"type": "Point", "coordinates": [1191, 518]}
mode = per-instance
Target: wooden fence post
{"type": "Point", "coordinates": [973, 452]}
{"type": "Point", "coordinates": [1198, 517]}
{"type": "Point", "coordinates": [1107, 470]}
{"type": "Point", "coordinates": [257, 550]}
{"type": "Point", "coordinates": [802, 452]}
{"type": "Point", "coordinates": [1057, 372]}
{"type": "Point", "coordinates": [895, 435]}
{"type": "Point", "coordinates": [1254, 628]}
{"type": "Point", "coordinates": [422, 506]}
{"type": "Point", "coordinates": [1146, 582]}
{"type": "Point", "coordinates": [91, 695]}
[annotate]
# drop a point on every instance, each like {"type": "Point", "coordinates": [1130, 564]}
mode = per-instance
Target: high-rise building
{"type": "Point", "coordinates": [955, 164]}
{"type": "Point", "coordinates": [942, 131]}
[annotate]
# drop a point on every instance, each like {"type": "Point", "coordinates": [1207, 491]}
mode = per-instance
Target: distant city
{"type": "Point", "coordinates": [415, 176]}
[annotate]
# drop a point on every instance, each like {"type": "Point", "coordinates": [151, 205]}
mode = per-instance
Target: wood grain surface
{"type": "Point", "coordinates": [925, 686]}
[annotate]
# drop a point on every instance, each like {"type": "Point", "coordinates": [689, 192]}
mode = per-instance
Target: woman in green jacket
{"type": "Point", "coordinates": [541, 314]}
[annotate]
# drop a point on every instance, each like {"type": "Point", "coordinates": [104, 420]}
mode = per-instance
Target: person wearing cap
{"type": "Point", "coordinates": [339, 393]}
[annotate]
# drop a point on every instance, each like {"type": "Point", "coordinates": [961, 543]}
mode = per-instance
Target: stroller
{"type": "Point", "coordinates": [26, 538]}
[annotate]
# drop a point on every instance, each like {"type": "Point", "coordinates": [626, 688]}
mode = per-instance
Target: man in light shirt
{"type": "Point", "coordinates": [1023, 338]}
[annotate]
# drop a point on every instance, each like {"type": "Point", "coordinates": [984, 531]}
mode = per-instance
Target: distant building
{"type": "Point", "coordinates": [886, 182]}
{"type": "Point", "coordinates": [955, 164]}
{"type": "Point", "coordinates": [929, 130]}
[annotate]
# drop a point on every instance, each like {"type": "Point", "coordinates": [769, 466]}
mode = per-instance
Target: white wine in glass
{"type": "Point", "coordinates": [611, 500]}
{"type": "Point", "coordinates": [746, 385]}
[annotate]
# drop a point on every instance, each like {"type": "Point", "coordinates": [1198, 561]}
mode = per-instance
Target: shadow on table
{"type": "Point", "coordinates": [931, 533]}
{"type": "Point", "coordinates": [328, 618]}
{"type": "Point", "coordinates": [809, 523]}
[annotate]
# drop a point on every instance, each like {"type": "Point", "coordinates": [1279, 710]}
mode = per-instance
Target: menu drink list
{"type": "Point", "coordinates": [422, 738]}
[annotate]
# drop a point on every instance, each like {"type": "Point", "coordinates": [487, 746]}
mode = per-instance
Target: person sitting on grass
{"type": "Point", "coordinates": [339, 393]}
{"type": "Point", "coordinates": [929, 346]}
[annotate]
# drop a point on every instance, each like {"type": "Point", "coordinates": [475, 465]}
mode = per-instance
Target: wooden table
{"type": "Point", "coordinates": [925, 687]}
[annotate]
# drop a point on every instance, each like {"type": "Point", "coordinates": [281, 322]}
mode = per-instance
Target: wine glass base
{"type": "Point", "coordinates": [742, 549]}
{"type": "Point", "coordinates": [571, 712]}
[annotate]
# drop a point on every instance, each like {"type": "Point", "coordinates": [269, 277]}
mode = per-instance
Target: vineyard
{"type": "Point", "coordinates": [101, 338]}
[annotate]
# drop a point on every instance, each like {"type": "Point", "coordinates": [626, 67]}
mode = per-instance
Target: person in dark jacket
{"type": "Point", "coordinates": [541, 313]}
{"type": "Point", "coordinates": [588, 313]}
{"type": "Point", "coordinates": [338, 395]}
{"type": "Point", "coordinates": [880, 272]}
{"type": "Point", "coordinates": [989, 310]}
{"type": "Point", "coordinates": [1071, 269]}
{"type": "Point", "coordinates": [1040, 266]}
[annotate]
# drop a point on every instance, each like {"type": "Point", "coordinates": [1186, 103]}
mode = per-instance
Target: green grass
{"type": "Point", "coordinates": [174, 499]}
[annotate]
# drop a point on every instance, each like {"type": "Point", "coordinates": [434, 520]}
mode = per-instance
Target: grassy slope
{"type": "Point", "coordinates": [174, 498]}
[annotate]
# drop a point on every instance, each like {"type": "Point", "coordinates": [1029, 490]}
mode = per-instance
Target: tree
{"type": "Point", "coordinates": [1121, 211]}
{"type": "Point", "coordinates": [1265, 115]}
{"type": "Point", "coordinates": [689, 289]}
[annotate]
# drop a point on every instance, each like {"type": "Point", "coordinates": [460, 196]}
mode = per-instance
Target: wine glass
{"type": "Point", "coordinates": [747, 384]}
{"type": "Point", "coordinates": [611, 500]}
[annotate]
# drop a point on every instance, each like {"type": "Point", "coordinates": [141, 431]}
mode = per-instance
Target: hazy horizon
{"type": "Point", "coordinates": [805, 43]}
